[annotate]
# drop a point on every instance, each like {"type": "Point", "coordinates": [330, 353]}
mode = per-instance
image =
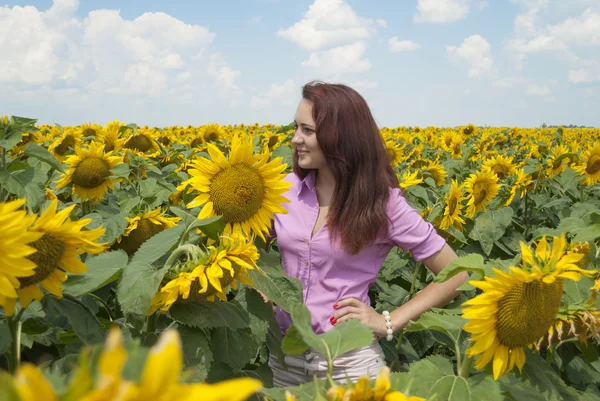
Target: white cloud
{"type": "Point", "coordinates": [539, 44]}
{"type": "Point", "coordinates": [381, 22]}
{"type": "Point", "coordinates": [327, 23]}
{"type": "Point", "coordinates": [365, 84]}
{"type": "Point", "coordinates": [581, 30]}
{"type": "Point", "coordinates": [30, 45]}
{"type": "Point", "coordinates": [440, 11]}
{"type": "Point", "coordinates": [284, 93]}
{"type": "Point", "coordinates": [225, 78]}
{"type": "Point", "coordinates": [537, 90]}
{"type": "Point", "coordinates": [588, 74]}
{"type": "Point", "coordinates": [476, 54]}
{"type": "Point", "coordinates": [339, 60]}
{"type": "Point", "coordinates": [402, 45]}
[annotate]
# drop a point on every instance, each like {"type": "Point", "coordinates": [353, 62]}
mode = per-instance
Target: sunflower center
{"type": "Point", "coordinates": [165, 140]}
{"type": "Point", "coordinates": [91, 172]}
{"type": "Point", "coordinates": [65, 145]}
{"type": "Point", "coordinates": [145, 230]}
{"type": "Point", "coordinates": [500, 170]}
{"type": "Point", "coordinates": [237, 193]}
{"type": "Point", "coordinates": [141, 143]}
{"type": "Point", "coordinates": [211, 137]}
{"type": "Point", "coordinates": [479, 192]}
{"type": "Point", "coordinates": [452, 205]}
{"type": "Point", "coordinates": [196, 142]}
{"type": "Point", "coordinates": [49, 252]}
{"type": "Point", "coordinates": [526, 312]}
{"type": "Point", "coordinates": [273, 141]}
{"type": "Point", "coordinates": [89, 132]}
{"type": "Point", "coordinates": [593, 164]}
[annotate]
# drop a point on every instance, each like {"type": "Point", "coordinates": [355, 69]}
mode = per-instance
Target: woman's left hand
{"type": "Point", "coordinates": [352, 308]}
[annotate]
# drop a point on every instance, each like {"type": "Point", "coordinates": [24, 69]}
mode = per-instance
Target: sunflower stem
{"type": "Point", "coordinates": [3, 167]}
{"type": "Point", "coordinates": [151, 323]}
{"type": "Point", "coordinates": [465, 369]}
{"type": "Point", "coordinates": [15, 325]}
{"type": "Point", "coordinates": [458, 357]}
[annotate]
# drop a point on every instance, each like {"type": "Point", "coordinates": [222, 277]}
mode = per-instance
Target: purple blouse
{"type": "Point", "coordinates": [329, 274]}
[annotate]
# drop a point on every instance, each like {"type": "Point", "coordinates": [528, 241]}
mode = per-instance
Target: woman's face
{"type": "Point", "coordinates": [310, 155]}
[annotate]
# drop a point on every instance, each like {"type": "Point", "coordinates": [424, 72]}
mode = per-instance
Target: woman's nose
{"type": "Point", "coordinates": [296, 138]}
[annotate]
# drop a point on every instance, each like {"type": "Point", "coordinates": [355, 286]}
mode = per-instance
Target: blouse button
{"type": "Point", "coordinates": [307, 242]}
{"type": "Point", "coordinates": [306, 262]}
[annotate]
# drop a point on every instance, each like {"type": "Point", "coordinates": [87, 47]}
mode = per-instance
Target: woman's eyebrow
{"type": "Point", "coordinates": [303, 124]}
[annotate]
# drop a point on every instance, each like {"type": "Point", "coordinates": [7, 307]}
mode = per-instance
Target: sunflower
{"type": "Point", "coordinates": [211, 133]}
{"type": "Point", "coordinates": [408, 179]}
{"type": "Point", "coordinates": [363, 391]}
{"type": "Point", "coordinates": [522, 182]}
{"type": "Point", "coordinates": [159, 379]}
{"type": "Point", "coordinates": [518, 307]}
{"type": "Point", "coordinates": [143, 227]}
{"type": "Point", "coordinates": [436, 171]}
{"type": "Point", "coordinates": [395, 152]}
{"type": "Point", "coordinates": [246, 189]}
{"type": "Point", "coordinates": [58, 250]}
{"type": "Point", "coordinates": [469, 130]}
{"type": "Point", "coordinates": [208, 274]}
{"type": "Point", "coordinates": [501, 165]}
{"type": "Point", "coordinates": [141, 143]}
{"type": "Point", "coordinates": [590, 165]}
{"type": "Point", "coordinates": [452, 211]}
{"type": "Point", "coordinates": [15, 251]}
{"type": "Point", "coordinates": [69, 139]}
{"type": "Point", "coordinates": [556, 161]}
{"type": "Point", "coordinates": [89, 129]}
{"type": "Point", "coordinates": [481, 188]}
{"type": "Point", "coordinates": [90, 172]}
{"type": "Point", "coordinates": [581, 321]}
{"type": "Point", "coordinates": [272, 140]}
{"type": "Point", "coordinates": [109, 136]}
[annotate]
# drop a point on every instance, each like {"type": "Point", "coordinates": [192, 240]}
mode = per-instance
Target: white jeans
{"type": "Point", "coordinates": [365, 361]}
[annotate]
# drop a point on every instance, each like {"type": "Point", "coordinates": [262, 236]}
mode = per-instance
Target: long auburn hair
{"type": "Point", "coordinates": [356, 155]}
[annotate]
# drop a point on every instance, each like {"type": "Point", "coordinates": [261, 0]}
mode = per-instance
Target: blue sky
{"type": "Point", "coordinates": [417, 62]}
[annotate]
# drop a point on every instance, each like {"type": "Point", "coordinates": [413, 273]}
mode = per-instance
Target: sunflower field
{"type": "Point", "coordinates": [134, 261]}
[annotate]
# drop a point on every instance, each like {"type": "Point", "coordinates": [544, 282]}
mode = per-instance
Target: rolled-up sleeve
{"type": "Point", "coordinates": [409, 231]}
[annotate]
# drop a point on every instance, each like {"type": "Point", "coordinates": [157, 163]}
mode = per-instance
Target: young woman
{"type": "Point", "coordinates": [346, 214]}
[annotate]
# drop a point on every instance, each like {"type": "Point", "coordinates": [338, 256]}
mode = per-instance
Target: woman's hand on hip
{"type": "Point", "coordinates": [352, 308]}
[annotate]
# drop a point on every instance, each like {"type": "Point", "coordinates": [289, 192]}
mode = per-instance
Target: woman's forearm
{"type": "Point", "coordinates": [434, 295]}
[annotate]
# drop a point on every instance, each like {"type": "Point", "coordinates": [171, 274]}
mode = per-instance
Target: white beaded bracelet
{"type": "Point", "coordinates": [388, 325]}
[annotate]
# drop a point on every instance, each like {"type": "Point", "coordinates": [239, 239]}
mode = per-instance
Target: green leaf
{"type": "Point", "coordinates": [490, 227]}
{"type": "Point", "coordinates": [5, 337]}
{"type": "Point", "coordinates": [121, 170]}
{"type": "Point", "coordinates": [211, 227]}
{"type": "Point", "coordinates": [293, 344]}
{"type": "Point", "coordinates": [139, 282]}
{"type": "Point", "coordinates": [515, 389]}
{"type": "Point", "coordinates": [102, 269]}
{"type": "Point", "coordinates": [148, 187]}
{"type": "Point", "coordinates": [280, 288]}
{"type": "Point", "coordinates": [427, 372]}
{"type": "Point", "coordinates": [469, 263]}
{"type": "Point", "coordinates": [451, 388]}
{"type": "Point", "coordinates": [440, 320]}
{"type": "Point", "coordinates": [197, 355]}
{"type": "Point", "coordinates": [590, 233]}
{"type": "Point", "coordinates": [232, 347]}
{"type": "Point", "coordinates": [22, 184]}
{"type": "Point", "coordinates": [543, 378]}
{"type": "Point", "coordinates": [157, 246]}
{"type": "Point", "coordinates": [206, 315]}
{"type": "Point", "coordinates": [581, 373]}
{"type": "Point", "coordinates": [84, 323]}
{"type": "Point", "coordinates": [484, 387]}
{"type": "Point", "coordinates": [8, 392]}
{"type": "Point", "coordinates": [285, 152]}
{"type": "Point", "coordinates": [40, 153]}
{"type": "Point", "coordinates": [342, 338]}
{"type": "Point", "coordinates": [392, 265]}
